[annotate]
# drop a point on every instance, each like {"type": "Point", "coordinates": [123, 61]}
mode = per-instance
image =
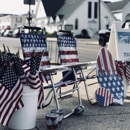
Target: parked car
{"type": "Point", "coordinates": [2, 32]}
{"type": "Point", "coordinates": [8, 33]}
{"type": "Point", "coordinates": [104, 35]}
{"type": "Point", "coordinates": [16, 33]}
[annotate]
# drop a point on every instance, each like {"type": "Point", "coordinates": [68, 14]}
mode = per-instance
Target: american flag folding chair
{"type": "Point", "coordinates": [110, 81]}
{"type": "Point", "coordinates": [33, 41]}
{"type": "Point", "coordinates": [68, 55]}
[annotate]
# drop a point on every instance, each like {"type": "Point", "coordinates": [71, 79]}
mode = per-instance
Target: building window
{"type": "Point", "coordinates": [95, 10]}
{"type": "Point", "coordinates": [18, 19]}
{"type": "Point", "coordinates": [76, 24]}
{"type": "Point", "coordinates": [89, 9]}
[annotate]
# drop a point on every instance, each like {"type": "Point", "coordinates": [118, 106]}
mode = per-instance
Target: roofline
{"type": "Point", "coordinates": [109, 10]}
{"type": "Point", "coordinates": [126, 5]}
{"type": "Point", "coordinates": [62, 20]}
{"type": "Point", "coordinates": [37, 6]}
{"type": "Point", "coordinates": [117, 11]}
{"type": "Point", "coordinates": [12, 16]}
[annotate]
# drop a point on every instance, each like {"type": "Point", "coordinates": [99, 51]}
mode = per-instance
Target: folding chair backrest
{"type": "Point", "coordinates": [67, 45]}
{"type": "Point", "coordinates": [108, 77]}
{"type": "Point", "coordinates": [37, 43]}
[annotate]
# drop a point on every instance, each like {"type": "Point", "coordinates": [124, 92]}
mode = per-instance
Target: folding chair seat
{"type": "Point", "coordinates": [111, 84]}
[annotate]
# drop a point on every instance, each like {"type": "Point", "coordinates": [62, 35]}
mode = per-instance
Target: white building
{"type": "Point", "coordinates": [74, 15]}
{"type": "Point", "coordinates": [120, 10]}
{"type": "Point", "coordinates": [12, 21]}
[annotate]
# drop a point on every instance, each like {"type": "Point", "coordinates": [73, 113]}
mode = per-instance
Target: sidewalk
{"type": "Point", "coordinates": [95, 117]}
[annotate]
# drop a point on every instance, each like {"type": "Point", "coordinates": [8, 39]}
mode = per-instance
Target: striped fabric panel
{"type": "Point", "coordinates": [127, 73]}
{"type": "Point", "coordinates": [106, 62]}
{"type": "Point", "coordinates": [103, 97]}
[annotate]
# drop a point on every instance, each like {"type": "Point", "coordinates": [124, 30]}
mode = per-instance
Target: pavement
{"type": "Point", "coordinates": [95, 117]}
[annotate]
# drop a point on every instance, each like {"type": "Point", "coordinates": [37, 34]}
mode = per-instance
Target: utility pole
{"type": "Point", "coordinates": [29, 2]}
{"type": "Point", "coordinates": [29, 18]}
{"type": "Point", "coordinates": [99, 15]}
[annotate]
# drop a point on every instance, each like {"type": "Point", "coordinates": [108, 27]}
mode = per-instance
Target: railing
{"type": "Point", "coordinates": [53, 51]}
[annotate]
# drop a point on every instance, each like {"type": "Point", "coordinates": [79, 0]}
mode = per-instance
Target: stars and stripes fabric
{"type": "Point", "coordinates": [103, 97]}
{"type": "Point", "coordinates": [127, 73]}
{"type": "Point", "coordinates": [18, 68]}
{"type": "Point", "coordinates": [38, 57]}
{"type": "Point", "coordinates": [114, 84]}
{"type": "Point", "coordinates": [120, 67]}
{"type": "Point", "coordinates": [37, 43]}
{"type": "Point", "coordinates": [67, 49]}
{"type": "Point", "coordinates": [33, 78]}
{"type": "Point", "coordinates": [108, 77]}
{"type": "Point", "coordinates": [26, 68]}
{"type": "Point", "coordinates": [41, 97]}
{"type": "Point", "coordinates": [31, 42]}
{"type": "Point", "coordinates": [124, 70]}
{"type": "Point", "coordinates": [11, 90]}
{"type": "Point", "coordinates": [105, 62]}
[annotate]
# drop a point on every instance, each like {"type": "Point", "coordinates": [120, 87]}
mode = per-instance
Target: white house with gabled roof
{"type": "Point", "coordinates": [74, 15]}
{"type": "Point", "coordinates": [120, 9]}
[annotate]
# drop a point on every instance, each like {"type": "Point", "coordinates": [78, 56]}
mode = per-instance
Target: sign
{"type": "Point", "coordinates": [119, 42]}
{"type": "Point", "coordinates": [31, 2]}
{"type": "Point", "coordinates": [119, 45]}
{"type": "Point", "coordinates": [68, 27]}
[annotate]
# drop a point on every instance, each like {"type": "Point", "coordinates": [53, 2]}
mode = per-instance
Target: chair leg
{"type": "Point", "coordinates": [55, 94]}
{"type": "Point", "coordinates": [85, 84]}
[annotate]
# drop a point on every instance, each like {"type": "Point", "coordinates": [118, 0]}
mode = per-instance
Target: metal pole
{"type": "Point", "coordinates": [29, 14]}
{"type": "Point", "coordinates": [29, 18]}
{"type": "Point", "coordinates": [99, 15]}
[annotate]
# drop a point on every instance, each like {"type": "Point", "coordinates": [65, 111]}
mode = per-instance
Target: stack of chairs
{"type": "Point", "coordinates": [48, 77]}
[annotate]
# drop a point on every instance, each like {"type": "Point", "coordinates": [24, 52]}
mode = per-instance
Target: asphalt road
{"type": "Point", "coordinates": [87, 48]}
{"type": "Point", "coordinates": [95, 117]}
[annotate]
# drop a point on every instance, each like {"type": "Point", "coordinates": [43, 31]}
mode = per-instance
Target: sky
{"type": "Point", "coordinates": [17, 6]}
{"type": "Point", "coordinates": [14, 7]}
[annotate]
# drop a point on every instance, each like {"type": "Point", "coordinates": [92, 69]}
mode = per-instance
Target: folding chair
{"type": "Point", "coordinates": [111, 84]}
{"type": "Point", "coordinates": [68, 55]}
{"type": "Point", "coordinates": [46, 72]}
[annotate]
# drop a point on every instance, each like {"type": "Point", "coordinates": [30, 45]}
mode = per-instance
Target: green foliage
{"type": "Point", "coordinates": [51, 34]}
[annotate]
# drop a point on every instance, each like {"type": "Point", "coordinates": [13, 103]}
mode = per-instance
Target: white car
{"type": "Point", "coordinates": [8, 33]}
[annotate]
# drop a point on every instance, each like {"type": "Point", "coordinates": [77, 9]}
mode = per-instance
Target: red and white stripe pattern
{"type": "Point", "coordinates": [44, 77]}
{"type": "Point", "coordinates": [41, 97]}
{"type": "Point", "coordinates": [67, 49]}
{"type": "Point", "coordinates": [120, 68]}
{"type": "Point", "coordinates": [68, 57]}
{"type": "Point", "coordinates": [35, 42]}
{"type": "Point", "coordinates": [108, 77]}
{"type": "Point", "coordinates": [45, 61]}
{"type": "Point", "coordinates": [127, 73]}
{"type": "Point", "coordinates": [103, 97]}
{"type": "Point", "coordinates": [33, 79]}
{"type": "Point", "coordinates": [52, 120]}
{"type": "Point", "coordinates": [10, 102]}
{"type": "Point", "coordinates": [106, 62]}
{"type": "Point", "coordinates": [26, 69]}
